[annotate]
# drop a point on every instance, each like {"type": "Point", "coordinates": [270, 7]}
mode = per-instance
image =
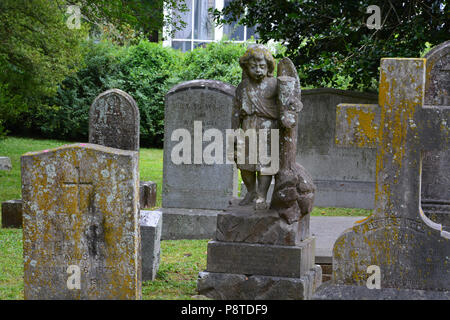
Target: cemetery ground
{"type": "Point", "coordinates": [181, 260]}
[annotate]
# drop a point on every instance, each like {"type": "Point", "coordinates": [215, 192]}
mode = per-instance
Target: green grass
{"type": "Point", "coordinates": [181, 260]}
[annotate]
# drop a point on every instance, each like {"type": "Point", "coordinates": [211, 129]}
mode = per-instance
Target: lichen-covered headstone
{"type": "Point", "coordinates": [409, 250]}
{"type": "Point", "coordinates": [81, 237]}
{"type": "Point", "coordinates": [436, 164]}
{"type": "Point", "coordinates": [114, 120]}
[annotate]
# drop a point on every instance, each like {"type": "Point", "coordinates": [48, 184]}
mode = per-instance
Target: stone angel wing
{"type": "Point", "coordinates": [286, 68]}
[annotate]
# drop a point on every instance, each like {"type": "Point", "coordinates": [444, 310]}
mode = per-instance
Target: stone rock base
{"type": "Point", "coordinates": [12, 214]}
{"type": "Point", "coordinates": [228, 286]}
{"type": "Point", "coordinates": [245, 224]}
{"type": "Point", "coordinates": [330, 291]}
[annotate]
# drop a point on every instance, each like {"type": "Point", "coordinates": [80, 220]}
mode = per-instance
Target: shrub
{"type": "Point", "coordinates": [217, 61]}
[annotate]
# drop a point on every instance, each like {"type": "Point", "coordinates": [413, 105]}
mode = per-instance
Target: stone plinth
{"type": "Point", "coordinates": [151, 225]}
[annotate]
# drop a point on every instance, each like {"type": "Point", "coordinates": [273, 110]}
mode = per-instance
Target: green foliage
{"type": "Point", "coordinates": [218, 61]}
{"type": "Point", "coordinates": [329, 41]}
{"type": "Point", "coordinates": [38, 50]}
{"type": "Point", "coordinates": [146, 71]}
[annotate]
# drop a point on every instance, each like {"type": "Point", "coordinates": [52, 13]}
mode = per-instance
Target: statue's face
{"type": "Point", "coordinates": [257, 68]}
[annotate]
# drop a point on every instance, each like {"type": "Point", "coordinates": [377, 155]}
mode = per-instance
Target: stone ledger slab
{"type": "Point", "coordinates": [328, 291]}
{"type": "Point", "coordinates": [151, 226]}
{"type": "Point", "coordinates": [81, 237]}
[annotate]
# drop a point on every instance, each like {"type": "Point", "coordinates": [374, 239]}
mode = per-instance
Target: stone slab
{"type": "Point", "coordinates": [329, 291]}
{"type": "Point", "coordinates": [260, 259]}
{"type": "Point", "coordinates": [81, 223]}
{"type": "Point", "coordinates": [151, 226]}
{"type": "Point", "coordinates": [182, 223]}
{"type": "Point", "coordinates": [226, 286]}
{"type": "Point", "coordinates": [147, 194]}
{"type": "Point", "coordinates": [12, 214]}
{"type": "Point", "coordinates": [326, 230]}
{"type": "Point", "coordinates": [5, 163]}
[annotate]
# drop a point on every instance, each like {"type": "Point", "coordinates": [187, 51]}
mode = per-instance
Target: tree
{"type": "Point", "coordinates": [37, 51]}
{"type": "Point", "coordinates": [330, 42]}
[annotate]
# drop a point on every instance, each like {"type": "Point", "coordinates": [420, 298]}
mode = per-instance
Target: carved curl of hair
{"type": "Point", "coordinates": [258, 50]}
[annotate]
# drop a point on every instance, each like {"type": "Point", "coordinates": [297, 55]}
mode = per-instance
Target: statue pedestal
{"type": "Point", "coordinates": [257, 255]}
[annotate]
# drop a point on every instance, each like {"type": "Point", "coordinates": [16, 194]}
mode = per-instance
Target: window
{"type": "Point", "coordinates": [200, 28]}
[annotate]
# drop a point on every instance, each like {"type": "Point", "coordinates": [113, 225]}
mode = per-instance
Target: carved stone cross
{"type": "Point", "coordinates": [411, 250]}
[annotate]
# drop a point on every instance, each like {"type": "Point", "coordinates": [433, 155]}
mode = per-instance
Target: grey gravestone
{"type": "Point", "coordinates": [410, 250]}
{"type": "Point", "coordinates": [5, 163]}
{"type": "Point", "coordinates": [344, 178]}
{"type": "Point", "coordinates": [114, 120]}
{"type": "Point", "coordinates": [196, 191]}
{"type": "Point", "coordinates": [151, 225]}
{"type": "Point", "coordinates": [12, 214]}
{"type": "Point", "coordinates": [436, 164]}
{"type": "Point", "coordinates": [81, 223]}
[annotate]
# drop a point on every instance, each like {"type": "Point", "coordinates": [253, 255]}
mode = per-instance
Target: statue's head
{"type": "Point", "coordinates": [257, 62]}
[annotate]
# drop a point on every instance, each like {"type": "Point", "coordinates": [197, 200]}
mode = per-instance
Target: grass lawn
{"type": "Point", "coordinates": [181, 260]}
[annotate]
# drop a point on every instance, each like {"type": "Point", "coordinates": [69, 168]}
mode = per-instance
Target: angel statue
{"type": "Point", "coordinates": [265, 102]}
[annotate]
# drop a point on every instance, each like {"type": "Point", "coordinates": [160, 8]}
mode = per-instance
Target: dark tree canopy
{"type": "Point", "coordinates": [329, 40]}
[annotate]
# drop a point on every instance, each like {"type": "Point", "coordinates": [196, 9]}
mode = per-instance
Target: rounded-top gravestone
{"type": "Point", "coordinates": [114, 120]}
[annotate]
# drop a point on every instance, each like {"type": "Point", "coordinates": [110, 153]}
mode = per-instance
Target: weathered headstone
{"type": "Point", "coordinates": [436, 164]}
{"type": "Point", "coordinates": [196, 189]}
{"type": "Point", "coordinates": [81, 236]}
{"type": "Point", "coordinates": [5, 163]}
{"type": "Point", "coordinates": [114, 120]}
{"type": "Point", "coordinates": [12, 214]}
{"type": "Point", "coordinates": [409, 250]}
{"type": "Point", "coordinates": [151, 225]}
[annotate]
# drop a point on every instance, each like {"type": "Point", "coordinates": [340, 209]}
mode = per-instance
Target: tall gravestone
{"type": "Point", "coordinates": [81, 236]}
{"type": "Point", "coordinates": [436, 164]}
{"type": "Point", "coordinates": [194, 192]}
{"type": "Point", "coordinates": [409, 251]}
{"type": "Point", "coordinates": [114, 120]}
